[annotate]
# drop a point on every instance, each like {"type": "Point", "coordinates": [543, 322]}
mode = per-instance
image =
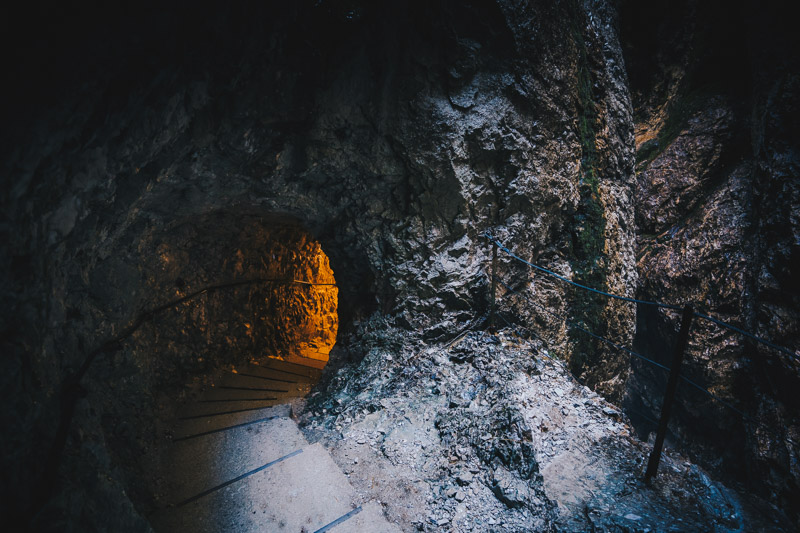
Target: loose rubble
{"type": "Point", "coordinates": [490, 433]}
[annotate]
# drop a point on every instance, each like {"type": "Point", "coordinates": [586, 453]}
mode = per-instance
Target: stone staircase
{"type": "Point", "coordinates": [239, 463]}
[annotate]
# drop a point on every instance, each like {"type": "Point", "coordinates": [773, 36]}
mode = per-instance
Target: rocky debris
{"type": "Point", "coordinates": [509, 489]}
{"type": "Point", "coordinates": [524, 447]}
{"type": "Point", "coordinates": [395, 134]}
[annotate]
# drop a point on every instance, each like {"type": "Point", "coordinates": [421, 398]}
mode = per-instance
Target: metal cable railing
{"type": "Point", "coordinates": [72, 390]}
{"type": "Point", "coordinates": [635, 354]}
{"type": "Point", "coordinates": [749, 335]}
{"type": "Point", "coordinates": [793, 354]}
{"type": "Point", "coordinates": [570, 282]}
{"type": "Point", "coordinates": [580, 328]}
{"type": "Point", "coordinates": [674, 371]}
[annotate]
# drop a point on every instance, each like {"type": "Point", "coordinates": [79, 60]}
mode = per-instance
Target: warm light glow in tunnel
{"type": "Point", "coordinates": [306, 310]}
{"type": "Point", "coordinates": [279, 300]}
{"type": "Point", "coordinates": [278, 297]}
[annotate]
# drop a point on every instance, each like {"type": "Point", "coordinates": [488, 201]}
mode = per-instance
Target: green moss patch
{"type": "Point", "coordinates": [588, 221]}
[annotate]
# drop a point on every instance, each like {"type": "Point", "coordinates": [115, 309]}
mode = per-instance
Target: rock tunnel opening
{"type": "Point", "coordinates": [264, 288]}
{"type": "Point", "coordinates": [254, 319]}
{"type": "Point", "coordinates": [147, 164]}
{"type": "Point", "coordinates": [298, 317]}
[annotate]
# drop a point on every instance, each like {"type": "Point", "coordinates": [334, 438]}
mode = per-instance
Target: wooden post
{"type": "Point", "coordinates": [494, 286]}
{"type": "Point", "coordinates": [669, 394]}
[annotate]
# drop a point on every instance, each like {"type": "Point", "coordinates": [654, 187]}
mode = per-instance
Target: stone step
{"type": "Point", "coordinates": [217, 406]}
{"type": "Point", "coordinates": [257, 382]}
{"type": "Point", "coordinates": [277, 367]}
{"type": "Point", "coordinates": [195, 465]}
{"type": "Point", "coordinates": [236, 387]}
{"type": "Point", "coordinates": [227, 393]}
{"type": "Point", "coordinates": [272, 376]}
{"type": "Point", "coordinates": [303, 492]}
{"type": "Point", "coordinates": [196, 426]}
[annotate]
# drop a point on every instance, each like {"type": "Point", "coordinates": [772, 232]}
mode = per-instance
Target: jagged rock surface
{"type": "Point", "coordinates": [490, 433]}
{"type": "Point", "coordinates": [394, 134]}
{"type": "Point", "coordinates": [717, 208]}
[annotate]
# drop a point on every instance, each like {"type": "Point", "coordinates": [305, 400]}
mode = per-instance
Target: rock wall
{"type": "Point", "coordinates": [717, 203]}
{"type": "Point", "coordinates": [394, 135]}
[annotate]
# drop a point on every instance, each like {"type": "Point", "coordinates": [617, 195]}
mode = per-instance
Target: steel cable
{"type": "Point", "coordinates": [700, 388]}
{"type": "Point", "coordinates": [717, 321]}
{"type": "Point", "coordinates": [576, 326]}
{"type": "Point", "coordinates": [584, 287]}
{"type": "Point", "coordinates": [748, 334]}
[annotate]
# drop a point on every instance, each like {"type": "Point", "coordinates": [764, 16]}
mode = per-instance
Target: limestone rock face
{"type": "Point", "coordinates": [140, 167]}
{"type": "Point", "coordinates": [717, 208]}
{"type": "Point", "coordinates": [674, 183]}
{"type": "Point", "coordinates": [394, 135]}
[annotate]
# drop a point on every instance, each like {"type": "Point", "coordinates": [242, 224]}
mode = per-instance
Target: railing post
{"type": "Point", "coordinates": [669, 394]}
{"type": "Point", "coordinates": [494, 286]}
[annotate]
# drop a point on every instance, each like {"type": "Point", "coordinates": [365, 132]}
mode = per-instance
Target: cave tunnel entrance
{"type": "Point", "coordinates": [299, 316]}
{"type": "Point", "coordinates": [276, 294]}
{"type": "Point", "coordinates": [288, 316]}
{"type": "Point", "coordinates": [241, 424]}
{"type": "Point", "coordinates": [257, 317]}
{"type": "Point", "coordinates": [301, 311]}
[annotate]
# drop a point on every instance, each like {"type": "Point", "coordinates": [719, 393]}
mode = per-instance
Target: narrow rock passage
{"type": "Point", "coordinates": [238, 463]}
